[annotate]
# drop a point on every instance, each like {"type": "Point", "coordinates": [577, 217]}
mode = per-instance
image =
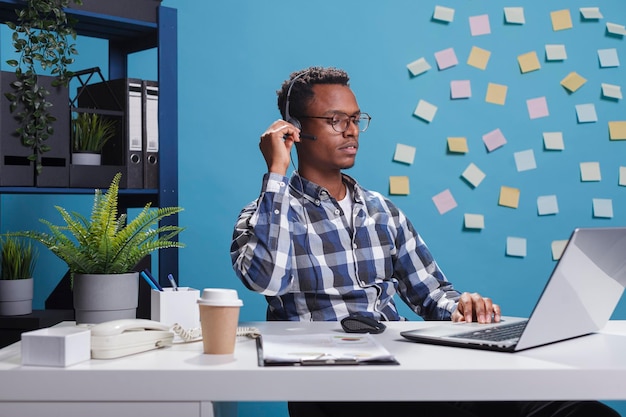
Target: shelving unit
{"type": "Point", "coordinates": [127, 35]}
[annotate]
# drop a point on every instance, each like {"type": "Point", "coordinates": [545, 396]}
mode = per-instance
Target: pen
{"type": "Point", "coordinates": [172, 281]}
{"type": "Point", "coordinates": [156, 286]}
{"type": "Point", "coordinates": [149, 281]}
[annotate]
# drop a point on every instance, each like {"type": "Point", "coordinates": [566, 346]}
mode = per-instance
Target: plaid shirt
{"type": "Point", "coordinates": [312, 263]}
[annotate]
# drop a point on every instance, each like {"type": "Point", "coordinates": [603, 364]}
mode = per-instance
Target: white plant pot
{"type": "Point", "coordinates": [16, 297]}
{"type": "Point", "coordinates": [86, 158]}
{"type": "Point", "coordinates": [105, 297]}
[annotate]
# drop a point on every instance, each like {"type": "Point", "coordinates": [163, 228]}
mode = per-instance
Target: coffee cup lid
{"type": "Point", "coordinates": [221, 297]}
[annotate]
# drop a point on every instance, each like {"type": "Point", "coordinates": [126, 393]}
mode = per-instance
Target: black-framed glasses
{"type": "Point", "coordinates": [341, 121]}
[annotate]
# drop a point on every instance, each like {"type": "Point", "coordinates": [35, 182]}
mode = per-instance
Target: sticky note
{"type": "Point", "coordinates": [537, 107]}
{"type": "Point", "coordinates": [425, 111]}
{"type": "Point", "coordinates": [556, 52]}
{"type": "Point", "coordinates": [586, 113]}
{"type": "Point", "coordinates": [474, 221]}
{"type": "Point", "coordinates": [590, 13]}
{"type": "Point", "coordinates": [444, 14]}
{"type": "Point", "coordinates": [603, 207]}
{"type": "Point", "coordinates": [573, 81]}
{"type": "Point", "coordinates": [590, 171]}
{"type": "Point", "coordinates": [622, 176]}
{"type": "Point", "coordinates": [514, 15]}
{"type": "Point", "coordinates": [525, 160]}
{"type": "Point", "coordinates": [561, 20]}
{"type": "Point", "coordinates": [617, 130]}
{"type": "Point", "coordinates": [608, 57]}
{"type": "Point", "coordinates": [496, 93]}
{"type": "Point", "coordinates": [547, 204]}
{"type": "Point", "coordinates": [460, 89]}
{"type": "Point", "coordinates": [398, 185]}
{"type": "Point", "coordinates": [419, 66]}
{"type": "Point", "coordinates": [457, 145]}
{"type": "Point", "coordinates": [446, 58]}
{"type": "Point", "coordinates": [479, 25]}
{"type": "Point", "coordinates": [516, 246]}
{"type": "Point", "coordinates": [509, 197]}
{"type": "Point", "coordinates": [404, 153]}
{"type": "Point", "coordinates": [611, 91]}
{"type": "Point", "coordinates": [478, 58]}
{"type": "Point", "coordinates": [444, 201]}
{"type": "Point", "coordinates": [553, 141]}
{"type": "Point", "coordinates": [528, 62]}
{"type": "Point", "coordinates": [558, 246]}
{"type": "Point", "coordinates": [473, 175]}
{"type": "Point", "coordinates": [494, 139]}
{"type": "Point", "coordinates": [615, 29]}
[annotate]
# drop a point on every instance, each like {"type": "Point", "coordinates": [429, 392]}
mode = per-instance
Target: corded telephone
{"type": "Point", "coordinates": [118, 338]}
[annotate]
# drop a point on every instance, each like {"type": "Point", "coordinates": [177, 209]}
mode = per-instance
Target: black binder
{"type": "Point", "coordinates": [150, 134]}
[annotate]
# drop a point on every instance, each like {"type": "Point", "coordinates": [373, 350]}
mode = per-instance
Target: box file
{"type": "Point", "coordinates": [151, 134]}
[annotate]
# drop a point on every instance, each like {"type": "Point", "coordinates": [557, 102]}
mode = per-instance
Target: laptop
{"type": "Point", "coordinates": [578, 299]}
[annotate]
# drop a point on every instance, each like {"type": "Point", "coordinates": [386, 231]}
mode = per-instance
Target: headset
{"type": "Point", "coordinates": [288, 117]}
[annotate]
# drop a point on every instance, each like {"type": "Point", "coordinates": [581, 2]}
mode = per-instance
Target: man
{"type": "Point", "coordinates": [319, 246]}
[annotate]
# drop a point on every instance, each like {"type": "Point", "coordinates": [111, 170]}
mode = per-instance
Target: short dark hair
{"type": "Point", "coordinates": [302, 90]}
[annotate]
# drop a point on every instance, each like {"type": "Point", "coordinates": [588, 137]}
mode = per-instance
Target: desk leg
{"type": "Point", "coordinates": [218, 409]}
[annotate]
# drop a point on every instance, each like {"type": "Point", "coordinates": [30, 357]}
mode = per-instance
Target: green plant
{"type": "Point", "coordinates": [91, 132]}
{"type": "Point", "coordinates": [40, 35]}
{"type": "Point", "coordinates": [18, 258]}
{"type": "Point", "coordinates": [104, 243]}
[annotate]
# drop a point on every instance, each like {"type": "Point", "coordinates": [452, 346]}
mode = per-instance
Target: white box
{"type": "Point", "coordinates": [56, 346]}
{"type": "Point", "coordinates": [170, 307]}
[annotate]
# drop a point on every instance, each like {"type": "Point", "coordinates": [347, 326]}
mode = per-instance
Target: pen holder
{"type": "Point", "coordinates": [169, 307]}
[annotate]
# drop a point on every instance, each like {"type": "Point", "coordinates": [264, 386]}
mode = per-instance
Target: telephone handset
{"type": "Point", "coordinates": [118, 338]}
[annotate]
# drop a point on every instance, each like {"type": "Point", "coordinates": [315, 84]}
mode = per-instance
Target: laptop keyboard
{"type": "Point", "coordinates": [497, 333]}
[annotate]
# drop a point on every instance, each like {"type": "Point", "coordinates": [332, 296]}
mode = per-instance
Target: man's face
{"type": "Point", "coordinates": [331, 150]}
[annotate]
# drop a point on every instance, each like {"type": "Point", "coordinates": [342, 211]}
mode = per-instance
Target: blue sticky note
{"type": "Point", "coordinates": [547, 204]}
{"type": "Point", "coordinates": [586, 113]}
{"type": "Point", "coordinates": [603, 207]}
{"type": "Point", "coordinates": [608, 57]}
{"type": "Point", "coordinates": [516, 246]}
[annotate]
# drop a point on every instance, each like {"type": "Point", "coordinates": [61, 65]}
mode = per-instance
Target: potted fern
{"type": "Point", "coordinates": [102, 251]}
{"type": "Point", "coordinates": [17, 264]}
{"type": "Point", "coordinates": [90, 132]}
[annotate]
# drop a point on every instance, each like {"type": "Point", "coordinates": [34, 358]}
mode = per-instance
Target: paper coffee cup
{"type": "Point", "coordinates": [219, 316]}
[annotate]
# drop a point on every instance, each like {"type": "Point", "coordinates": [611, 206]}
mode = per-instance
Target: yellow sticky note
{"type": "Point", "coordinates": [399, 185]}
{"type": "Point", "coordinates": [457, 145]}
{"type": "Point", "coordinates": [561, 19]}
{"type": "Point", "coordinates": [478, 58]}
{"type": "Point", "coordinates": [496, 93]}
{"type": "Point", "coordinates": [509, 197]}
{"type": "Point", "coordinates": [528, 62]}
{"type": "Point", "coordinates": [617, 130]}
{"type": "Point", "coordinates": [573, 81]}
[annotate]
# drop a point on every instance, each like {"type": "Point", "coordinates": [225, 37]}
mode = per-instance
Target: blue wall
{"type": "Point", "coordinates": [234, 55]}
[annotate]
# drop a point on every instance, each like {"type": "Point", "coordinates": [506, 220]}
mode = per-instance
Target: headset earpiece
{"type": "Point", "coordinates": [288, 117]}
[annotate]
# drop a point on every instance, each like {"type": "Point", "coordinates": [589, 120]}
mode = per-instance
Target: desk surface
{"type": "Point", "coordinates": [590, 367]}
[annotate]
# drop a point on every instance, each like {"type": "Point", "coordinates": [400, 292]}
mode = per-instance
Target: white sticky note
{"type": "Point", "coordinates": [590, 171]}
{"type": "Point", "coordinates": [603, 207]}
{"type": "Point", "coordinates": [474, 221]}
{"type": "Point", "coordinates": [460, 89]}
{"type": "Point", "coordinates": [473, 175]}
{"type": "Point", "coordinates": [419, 66]}
{"type": "Point", "coordinates": [608, 57]}
{"type": "Point", "coordinates": [612, 91]}
{"type": "Point", "coordinates": [558, 246]}
{"type": "Point", "coordinates": [616, 29]}
{"type": "Point", "coordinates": [444, 14]}
{"type": "Point", "coordinates": [516, 246]}
{"type": "Point", "coordinates": [404, 154]}
{"type": "Point", "coordinates": [590, 13]}
{"type": "Point", "coordinates": [622, 176]}
{"type": "Point", "coordinates": [425, 111]}
{"type": "Point", "coordinates": [547, 204]}
{"type": "Point", "coordinates": [514, 15]}
{"type": "Point", "coordinates": [553, 141]}
{"type": "Point", "coordinates": [586, 113]}
{"type": "Point", "coordinates": [525, 160]}
{"type": "Point", "coordinates": [556, 52]}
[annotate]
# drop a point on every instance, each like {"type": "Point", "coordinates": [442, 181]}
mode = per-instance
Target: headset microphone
{"type": "Point", "coordinates": [288, 117]}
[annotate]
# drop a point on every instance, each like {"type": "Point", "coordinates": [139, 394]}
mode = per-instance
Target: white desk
{"type": "Point", "coordinates": [181, 381]}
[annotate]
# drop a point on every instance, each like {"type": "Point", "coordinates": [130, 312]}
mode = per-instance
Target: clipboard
{"type": "Point", "coordinates": [323, 349]}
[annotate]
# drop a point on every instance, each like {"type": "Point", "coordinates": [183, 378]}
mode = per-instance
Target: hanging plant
{"type": "Point", "coordinates": [41, 37]}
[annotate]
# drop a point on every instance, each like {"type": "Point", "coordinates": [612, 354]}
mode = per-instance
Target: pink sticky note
{"type": "Point", "coordinates": [460, 89]}
{"type": "Point", "coordinates": [446, 59]}
{"type": "Point", "coordinates": [444, 201]}
{"type": "Point", "coordinates": [479, 25]}
{"type": "Point", "coordinates": [537, 107]}
{"type": "Point", "coordinates": [494, 139]}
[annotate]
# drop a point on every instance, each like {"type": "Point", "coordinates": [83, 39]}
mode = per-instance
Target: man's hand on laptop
{"type": "Point", "coordinates": [476, 308]}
